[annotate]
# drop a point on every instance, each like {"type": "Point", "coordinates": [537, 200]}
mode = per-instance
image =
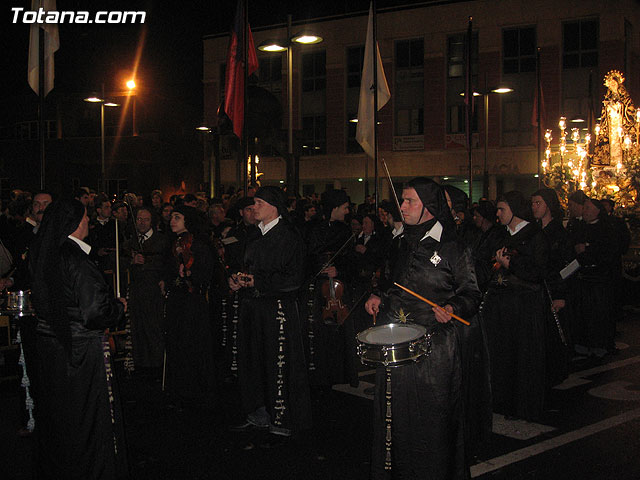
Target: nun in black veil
{"type": "Point", "coordinates": [424, 436]}
{"type": "Point", "coordinates": [79, 428]}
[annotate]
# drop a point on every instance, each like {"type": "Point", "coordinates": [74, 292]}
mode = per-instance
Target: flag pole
{"type": "Point", "coordinates": [538, 113]}
{"type": "Point", "coordinates": [41, 105]}
{"type": "Point", "coordinates": [468, 100]}
{"type": "Point", "coordinates": [374, 52]}
{"type": "Point", "coordinates": [245, 72]}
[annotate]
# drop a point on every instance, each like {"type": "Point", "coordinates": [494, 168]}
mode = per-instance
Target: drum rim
{"type": "Point", "coordinates": [421, 329]}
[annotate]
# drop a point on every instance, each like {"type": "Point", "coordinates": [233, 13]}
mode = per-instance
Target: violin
{"type": "Point", "coordinates": [334, 310]}
{"type": "Point", "coordinates": [332, 289]}
{"type": "Point", "coordinates": [182, 250]}
{"type": "Point", "coordinates": [508, 253]}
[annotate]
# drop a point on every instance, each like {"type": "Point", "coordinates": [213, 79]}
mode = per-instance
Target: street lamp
{"type": "Point", "coordinates": [131, 85]}
{"type": "Point", "coordinates": [305, 38]}
{"type": "Point", "coordinates": [103, 103]}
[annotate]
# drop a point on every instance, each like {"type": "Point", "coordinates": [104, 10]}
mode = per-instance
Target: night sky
{"type": "Point", "coordinates": [171, 60]}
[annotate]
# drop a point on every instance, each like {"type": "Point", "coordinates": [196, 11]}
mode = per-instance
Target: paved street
{"type": "Point", "coordinates": [589, 431]}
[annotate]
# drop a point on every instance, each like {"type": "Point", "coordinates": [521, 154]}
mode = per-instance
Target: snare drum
{"type": "Point", "coordinates": [393, 345]}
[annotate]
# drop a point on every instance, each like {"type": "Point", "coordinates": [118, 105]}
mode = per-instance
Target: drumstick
{"type": "Point", "coordinates": [431, 303]}
{"type": "Point", "coordinates": [375, 314]}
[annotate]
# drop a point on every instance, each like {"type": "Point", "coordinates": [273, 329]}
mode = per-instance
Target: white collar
{"type": "Point", "coordinates": [397, 231]}
{"type": "Point", "coordinates": [102, 221]}
{"type": "Point", "coordinates": [86, 248]}
{"type": "Point", "coordinates": [147, 235]}
{"type": "Point", "coordinates": [265, 228]}
{"type": "Point", "coordinates": [434, 232]}
{"type": "Point", "coordinates": [519, 227]}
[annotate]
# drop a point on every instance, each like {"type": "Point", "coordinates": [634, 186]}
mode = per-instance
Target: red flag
{"type": "Point", "coordinates": [534, 117]}
{"type": "Point", "coordinates": [234, 78]}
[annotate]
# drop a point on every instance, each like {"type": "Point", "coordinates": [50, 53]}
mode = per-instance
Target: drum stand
{"type": "Point", "coordinates": [387, 421]}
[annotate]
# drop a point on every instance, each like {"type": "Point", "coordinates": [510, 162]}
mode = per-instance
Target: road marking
{"type": "Point", "coordinates": [358, 392]}
{"type": "Point", "coordinates": [576, 379]}
{"type": "Point", "coordinates": [546, 445]}
{"type": "Point", "coordinates": [518, 429]}
{"type": "Point", "coordinates": [616, 391]}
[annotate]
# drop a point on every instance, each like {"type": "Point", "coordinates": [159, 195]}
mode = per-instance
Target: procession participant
{"type": "Point", "coordinates": [623, 239]}
{"type": "Point", "coordinates": [546, 210]}
{"type": "Point", "coordinates": [189, 367]}
{"type": "Point", "coordinates": [272, 371]}
{"type": "Point", "coordinates": [368, 256]}
{"type": "Point", "coordinates": [427, 426]}
{"type": "Point", "coordinates": [514, 311]}
{"type": "Point", "coordinates": [575, 224]}
{"type": "Point", "coordinates": [594, 324]}
{"type": "Point", "coordinates": [148, 253]}
{"type": "Point", "coordinates": [484, 248]}
{"type": "Point", "coordinates": [459, 203]}
{"type": "Point", "coordinates": [79, 424]}
{"type": "Point", "coordinates": [334, 342]}
{"type": "Point", "coordinates": [225, 315]}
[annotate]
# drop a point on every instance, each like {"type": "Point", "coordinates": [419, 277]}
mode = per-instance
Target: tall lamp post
{"type": "Point", "coordinates": [103, 103]}
{"type": "Point", "coordinates": [131, 85]}
{"type": "Point", "coordinates": [305, 38]}
{"type": "Point", "coordinates": [486, 94]}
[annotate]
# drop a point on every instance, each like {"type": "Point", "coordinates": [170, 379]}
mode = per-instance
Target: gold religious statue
{"type": "Point", "coordinates": [617, 122]}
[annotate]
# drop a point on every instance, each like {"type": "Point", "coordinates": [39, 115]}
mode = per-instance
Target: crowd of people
{"type": "Point", "coordinates": [270, 292]}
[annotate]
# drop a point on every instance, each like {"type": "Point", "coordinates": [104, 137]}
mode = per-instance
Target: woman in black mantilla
{"type": "Point", "coordinates": [547, 211]}
{"type": "Point", "coordinates": [428, 439]}
{"type": "Point", "coordinates": [189, 373]}
{"type": "Point", "coordinates": [79, 426]}
{"type": "Point", "coordinates": [594, 326]}
{"type": "Point", "coordinates": [515, 310]}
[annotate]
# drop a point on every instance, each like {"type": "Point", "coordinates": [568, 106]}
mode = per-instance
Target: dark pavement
{"type": "Point", "coordinates": [589, 431]}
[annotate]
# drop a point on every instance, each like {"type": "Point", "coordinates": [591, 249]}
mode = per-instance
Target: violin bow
{"type": "Point", "coordinates": [393, 189]}
{"type": "Point", "coordinates": [335, 255]}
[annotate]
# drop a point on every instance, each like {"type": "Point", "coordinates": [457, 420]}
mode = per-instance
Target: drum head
{"type": "Point", "coordinates": [392, 334]}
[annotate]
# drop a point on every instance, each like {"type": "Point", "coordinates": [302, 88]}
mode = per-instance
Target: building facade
{"type": "Point", "coordinates": [422, 128]}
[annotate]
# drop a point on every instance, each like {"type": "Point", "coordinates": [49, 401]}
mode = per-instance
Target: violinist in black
{"type": "Point", "coordinates": [515, 310]}
{"type": "Point", "coordinates": [272, 373]}
{"type": "Point", "coordinates": [189, 346]}
{"type": "Point", "coordinates": [332, 347]}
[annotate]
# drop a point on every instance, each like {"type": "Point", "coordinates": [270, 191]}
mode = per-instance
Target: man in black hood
{"type": "Point", "coordinates": [427, 439]}
{"type": "Point", "coordinates": [271, 367]}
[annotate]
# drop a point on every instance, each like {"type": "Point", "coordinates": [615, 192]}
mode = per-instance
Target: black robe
{"type": "Point", "coordinates": [428, 438]}
{"type": "Point", "coordinates": [79, 431]}
{"type": "Point", "coordinates": [190, 373]}
{"type": "Point", "coordinates": [515, 312]}
{"type": "Point", "coordinates": [593, 325]}
{"type": "Point", "coordinates": [560, 254]}
{"type": "Point", "coordinates": [146, 303]}
{"type": "Point", "coordinates": [334, 352]}
{"type": "Point", "coordinates": [272, 369]}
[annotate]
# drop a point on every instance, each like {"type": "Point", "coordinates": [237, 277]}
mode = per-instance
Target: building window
{"type": "Point", "coordinates": [580, 44]}
{"type": "Point", "coordinates": [456, 82]}
{"type": "Point", "coordinates": [314, 71]}
{"type": "Point", "coordinates": [314, 135]}
{"type": "Point", "coordinates": [270, 73]}
{"type": "Point", "coordinates": [519, 50]}
{"type": "Point", "coordinates": [409, 87]}
{"type": "Point", "coordinates": [455, 55]}
{"type": "Point", "coordinates": [355, 58]}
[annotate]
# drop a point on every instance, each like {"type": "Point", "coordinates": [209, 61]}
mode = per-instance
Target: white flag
{"type": "Point", "coordinates": [365, 130]}
{"type": "Point", "coordinates": [51, 44]}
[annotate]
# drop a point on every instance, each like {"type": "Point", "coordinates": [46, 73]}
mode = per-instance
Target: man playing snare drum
{"type": "Point", "coordinates": [418, 416]}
